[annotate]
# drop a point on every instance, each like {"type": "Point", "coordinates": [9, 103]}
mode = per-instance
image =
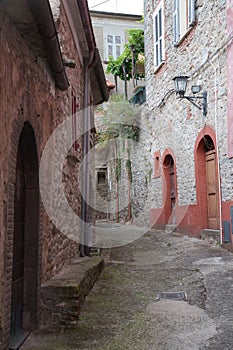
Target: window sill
{"type": "Point", "coordinates": [159, 67]}
{"type": "Point", "coordinates": [184, 36]}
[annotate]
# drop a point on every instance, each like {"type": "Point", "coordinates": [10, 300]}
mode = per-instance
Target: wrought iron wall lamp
{"type": "Point", "coordinates": [180, 83]}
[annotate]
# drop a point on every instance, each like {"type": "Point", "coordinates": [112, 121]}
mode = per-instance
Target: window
{"type": "Point", "coordinates": [114, 46]}
{"type": "Point", "coordinates": [101, 177]}
{"type": "Point", "coordinates": [183, 18]}
{"type": "Point", "coordinates": [159, 36]}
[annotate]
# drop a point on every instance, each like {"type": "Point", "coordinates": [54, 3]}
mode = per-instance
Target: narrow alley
{"type": "Point", "coordinates": [121, 312]}
{"type": "Point", "coordinates": [116, 186]}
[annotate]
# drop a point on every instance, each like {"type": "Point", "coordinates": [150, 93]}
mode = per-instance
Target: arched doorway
{"type": "Point", "coordinates": [207, 182]}
{"type": "Point", "coordinates": [25, 279]}
{"type": "Point", "coordinates": [169, 189]}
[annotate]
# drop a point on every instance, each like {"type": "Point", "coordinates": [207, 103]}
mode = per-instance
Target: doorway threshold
{"type": "Point", "coordinates": [169, 228]}
{"type": "Point", "coordinates": [17, 340]}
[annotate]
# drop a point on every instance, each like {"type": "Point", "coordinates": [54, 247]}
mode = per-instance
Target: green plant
{"type": "Point", "coordinates": [118, 169]}
{"type": "Point", "coordinates": [129, 169]}
{"type": "Point", "coordinates": [119, 124]}
{"type": "Point", "coordinates": [119, 121]}
{"type": "Point", "coordinates": [122, 66]}
{"type": "Point", "coordinates": [136, 40]}
{"type": "Point", "coordinates": [150, 174]}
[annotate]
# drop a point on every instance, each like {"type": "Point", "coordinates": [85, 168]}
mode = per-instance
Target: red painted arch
{"type": "Point", "coordinates": [206, 131]}
{"type": "Point", "coordinates": [168, 151]}
{"type": "Point", "coordinates": [200, 174]}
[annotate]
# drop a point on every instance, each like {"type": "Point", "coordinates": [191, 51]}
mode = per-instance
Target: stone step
{"type": "Point", "coordinates": [211, 234]}
{"type": "Point", "coordinates": [170, 228]}
{"type": "Point", "coordinates": [63, 295]}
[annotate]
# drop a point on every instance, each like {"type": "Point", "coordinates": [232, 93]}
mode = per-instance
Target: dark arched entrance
{"type": "Point", "coordinates": [169, 189]}
{"type": "Point", "coordinates": [25, 279]}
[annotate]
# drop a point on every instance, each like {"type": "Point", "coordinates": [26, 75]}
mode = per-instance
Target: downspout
{"type": "Point", "coordinates": [91, 62]}
{"type": "Point", "coordinates": [86, 234]}
{"type": "Point", "coordinates": [217, 154]}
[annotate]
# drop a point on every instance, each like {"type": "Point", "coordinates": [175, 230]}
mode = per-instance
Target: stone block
{"type": "Point", "coordinates": [63, 296]}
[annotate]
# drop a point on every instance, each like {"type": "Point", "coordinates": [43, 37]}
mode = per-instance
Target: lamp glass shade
{"type": "Point", "coordinates": [180, 84]}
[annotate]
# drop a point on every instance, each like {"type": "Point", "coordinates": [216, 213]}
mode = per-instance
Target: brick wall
{"type": "Point", "coordinates": [28, 94]}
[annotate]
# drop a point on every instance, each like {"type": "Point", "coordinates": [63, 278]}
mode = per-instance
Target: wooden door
{"type": "Point", "coordinates": [212, 190]}
{"type": "Point", "coordinates": [172, 193]}
{"type": "Point", "coordinates": [171, 188]}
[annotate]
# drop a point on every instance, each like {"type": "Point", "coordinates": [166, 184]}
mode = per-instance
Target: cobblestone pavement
{"type": "Point", "coordinates": [121, 312]}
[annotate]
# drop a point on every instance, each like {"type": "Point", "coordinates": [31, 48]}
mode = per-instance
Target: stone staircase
{"type": "Point", "coordinates": [211, 234]}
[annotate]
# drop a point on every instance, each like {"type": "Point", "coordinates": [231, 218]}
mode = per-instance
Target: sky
{"type": "Point", "coordinates": [121, 6]}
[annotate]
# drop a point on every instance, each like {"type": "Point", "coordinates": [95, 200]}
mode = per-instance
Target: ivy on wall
{"type": "Point", "coordinates": [119, 125]}
{"type": "Point", "coordinates": [129, 169]}
{"type": "Point", "coordinates": [118, 169]}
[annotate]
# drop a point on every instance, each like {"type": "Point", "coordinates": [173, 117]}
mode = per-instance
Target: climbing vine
{"type": "Point", "coordinates": [118, 169]}
{"type": "Point", "coordinates": [129, 169]}
{"type": "Point", "coordinates": [118, 121]}
{"type": "Point", "coordinates": [119, 125]}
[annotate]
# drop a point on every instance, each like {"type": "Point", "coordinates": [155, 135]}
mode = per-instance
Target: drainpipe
{"type": "Point", "coordinates": [89, 64]}
{"type": "Point", "coordinates": [85, 220]}
{"type": "Point", "coordinates": [217, 154]}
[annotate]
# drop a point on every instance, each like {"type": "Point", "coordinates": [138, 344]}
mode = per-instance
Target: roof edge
{"type": "Point", "coordinates": [116, 14]}
{"type": "Point", "coordinates": [42, 13]}
{"type": "Point", "coordinates": [101, 79]}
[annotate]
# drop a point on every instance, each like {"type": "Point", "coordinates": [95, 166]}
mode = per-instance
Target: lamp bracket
{"type": "Point", "coordinates": [193, 98]}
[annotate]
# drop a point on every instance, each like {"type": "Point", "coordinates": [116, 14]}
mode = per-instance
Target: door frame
{"type": "Point", "coordinates": [211, 156]}
{"type": "Point", "coordinates": [24, 137]}
{"type": "Point", "coordinates": [200, 174]}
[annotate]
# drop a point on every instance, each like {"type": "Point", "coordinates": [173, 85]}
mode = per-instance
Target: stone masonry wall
{"type": "Point", "coordinates": [57, 252]}
{"type": "Point", "coordinates": [176, 124]}
{"type": "Point", "coordinates": [141, 174]}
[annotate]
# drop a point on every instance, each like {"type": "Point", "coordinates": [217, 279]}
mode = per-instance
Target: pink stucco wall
{"type": "Point", "coordinates": [230, 74]}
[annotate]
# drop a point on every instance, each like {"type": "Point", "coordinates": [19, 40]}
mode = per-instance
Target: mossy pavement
{"type": "Point", "coordinates": [121, 311]}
